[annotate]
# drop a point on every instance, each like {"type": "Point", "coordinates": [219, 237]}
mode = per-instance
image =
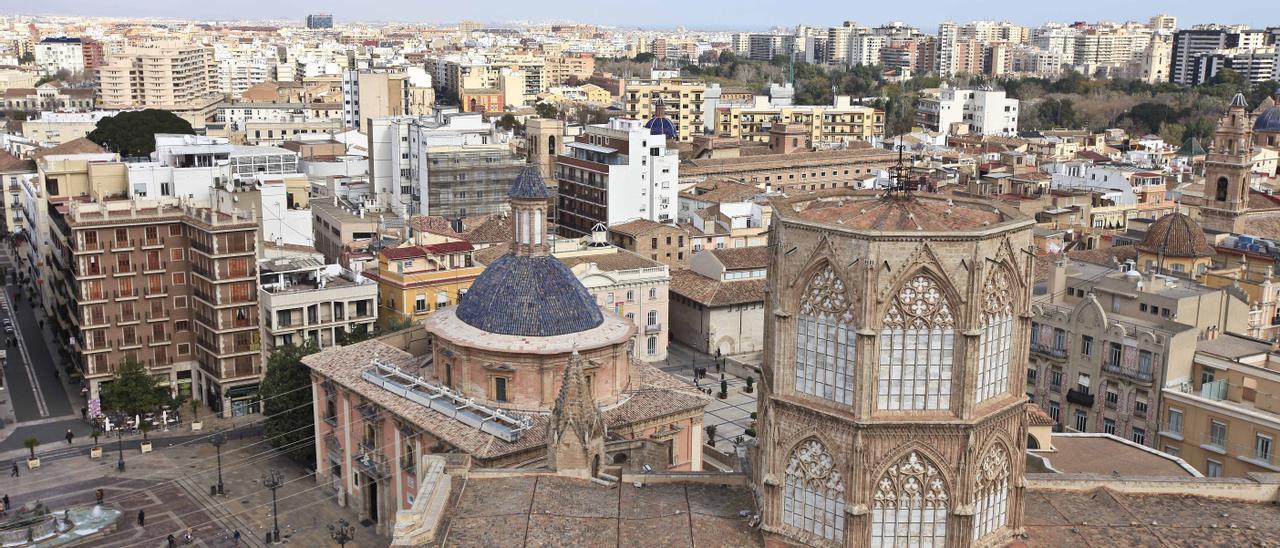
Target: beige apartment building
{"type": "Point", "coordinates": [167, 285]}
{"type": "Point", "coordinates": [821, 170]}
{"type": "Point", "coordinates": [840, 122]}
{"type": "Point", "coordinates": [173, 76]}
{"type": "Point", "coordinates": [681, 101]}
{"type": "Point", "coordinates": [1222, 413]}
{"type": "Point", "coordinates": [304, 299]}
{"type": "Point", "coordinates": [1105, 340]}
{"type": "Point", "coordinates": [336, 223]}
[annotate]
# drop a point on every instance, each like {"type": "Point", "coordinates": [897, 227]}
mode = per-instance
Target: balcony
{"type": "Point", "coordinates": [1128, 372]}
{"type": "Point", "coordinates": [152, 242]}
{"type": "Point", "coordinates": [1049, 351]}
{"type": "Point", "coordinates": [1080, 397]}
{"type": "Point", "coordinates": [652, 328]}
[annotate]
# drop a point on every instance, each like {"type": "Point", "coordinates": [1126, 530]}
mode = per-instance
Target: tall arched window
{"type": "Point", "coordinates": [813, 496]}
{"type": "Point", "coordinates": [825, 340]}
{"type": "Point", "coordinates": [1221, 193]}
{"type": "Point", "coordinates": [997, 335]}
{"type": "Point", "coordinates": [652, 318]}
{"type": "Point", "coordinates": [537, 226]}
{"type": "Point", "coordinates": [915, 349]}
{"type": "Point", "coordinates": [910, 505]}
{"type": "Point", "coordinates": [992, 495]}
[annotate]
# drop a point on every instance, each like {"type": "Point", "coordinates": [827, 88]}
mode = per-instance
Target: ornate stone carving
{"type": "Point", "coordinates": [994, 468]}
{"type": "Point", "coordinates": [814, 468]}
{"type": "Point", "coordinates": [911, 483]}
{"type": "Point", "coordinates": [825, 294]}
{"type": "Point", "coordinates": [920, 304]}
{"type": "Point", "coordinates": [997, 295]}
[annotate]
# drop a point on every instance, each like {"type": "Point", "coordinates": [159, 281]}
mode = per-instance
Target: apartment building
{"type": "Point", "coordinates": [59, 53]}
{"type": "Point", "coordinates": [1106, 339]}
{"type": "Point", "coordinates": [568, 67]}
{"type": "Point", "coordinates": [337, 223]}
{"type": "Point", "coordinates": [164, 284]}
{"type": "Point", "coordinates": [15, 173]}
{"type": "Point", "coordinates": [304, 299]}
{"type": "Point", "coordinates": [681, 100]}
{"type": "Point", "coordinates": [1190, 44]}
{"type": "Point", "coordinates": [664, 243]}
{"type": "Point", "coordinates": [794, 170]}
{"type": "Point", "coordinates": [1221, 413]}
{"type": "Point", "coordinates": [174, 76]}
{"type": "Point", "coordinates": [368, 95]}
{"type": "Point", "coordinates": [840, 122]}
{"type": "Point", "coordinates": [55, 128]}
{"type": "Point", "coordinates": [983, 111]}
{"type": "Point", "coordinates": [617, 172]}
{"type": "Point", "coordinates": [416, 280]}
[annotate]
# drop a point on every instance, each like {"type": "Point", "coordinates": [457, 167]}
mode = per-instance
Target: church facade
{"type": "Point", "coordinates": [891, 409]}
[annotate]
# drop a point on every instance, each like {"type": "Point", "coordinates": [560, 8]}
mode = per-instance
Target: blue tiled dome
{"type": "Point", "coordinates": [534, 296]}
{"type": "Point", "coordinates": [660, 125]}
{"type": "Point", "coordinates": [1269, 120]}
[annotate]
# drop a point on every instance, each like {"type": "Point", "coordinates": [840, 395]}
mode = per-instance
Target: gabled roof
{"type": "Point", "coordinates": [638, 227]}
{"type": "Point", "coordinates": [9, 162]}
{"type": "Point", "coordinates": [743, 257]}
{"type": "Point", "coordinates": [81, 145]}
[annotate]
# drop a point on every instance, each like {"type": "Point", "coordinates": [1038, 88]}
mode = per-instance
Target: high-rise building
{"type": "Point", "coordinates": [1190, 44]}
{"type": "Point", "coordinates": [896, 349]}
{"type": "Point", "coordinates": [60, 53]}
{"type": "Point", "coordinates": [681, 100]}
{"type": "Point", "coordinates": [319, 21]}
{"type": "Point", "coordinates": [617, 172]}
{"type": "Point", "coordinates": [166, 285]}
{"type": "Point", "coordinates": [1164, 22]}
{"type": "Point", "coordinates": [982, 110]}
{"type": "Point", "coordinates": [174, 76]}
{"type": "Point", "coordinates": [368, 95]}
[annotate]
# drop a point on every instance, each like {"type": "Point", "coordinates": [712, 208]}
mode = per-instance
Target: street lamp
{"type": "Point", "coordinates": [342, 532]}
{"type": "Point", "coordinates": [120, 449]}
{"type": "Point", "coordinates": [272, 480]}
{"type": "Point", "coordinates": [217, 440]}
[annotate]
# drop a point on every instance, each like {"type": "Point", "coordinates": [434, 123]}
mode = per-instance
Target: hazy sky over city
{"type": "Point", "coordinates": [706, 14]}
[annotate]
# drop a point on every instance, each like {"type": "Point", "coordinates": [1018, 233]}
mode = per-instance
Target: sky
{"type": "Point", "coordinates": [664, 14]}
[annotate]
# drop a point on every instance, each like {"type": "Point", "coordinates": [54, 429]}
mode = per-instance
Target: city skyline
{"type": "Point", "coordinates": [710, 16]}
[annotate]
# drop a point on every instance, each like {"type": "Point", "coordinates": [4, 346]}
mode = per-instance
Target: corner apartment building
{"type": "Point", "coordinates": [168, 285]}
{"type": "Point", "coordinates": [416, 280]}
{"type": "Point", "coordinates": [368, 95]}
{"type": "Point", "coordinates": [616, 172]}
{"type": "Point", "coordinates": [303, 299]}
{"type": "Point", "coordinates": [174, 76]}
{"type": "Point", "coordinates": [1105, 340]}
{"type": "Point", "coordinates": [681, 100]}
{"type": "Point", "coordinates": [983, 111]}
{"type": "Point", "coordinates": [336, 223]}
{"type": "Point", "coordinates": [840, 122]}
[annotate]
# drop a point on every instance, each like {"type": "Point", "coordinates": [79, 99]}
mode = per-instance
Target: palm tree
{"type": "Point", "coordinates": [31, 444]}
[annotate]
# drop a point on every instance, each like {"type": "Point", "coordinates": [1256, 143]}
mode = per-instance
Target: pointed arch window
{"type": "Point", "coordinates": [813, 495]}
{"type": "Point", "coordinates": [992, 495]}
{"type": "Point", "coordinates": [825, 340]}
{"type": "Point", "coordinates": [910, 505]}
{"type": "Point", "coordinates": [996, 344]}
{"type": "Point", "coordinates": [916, 346]}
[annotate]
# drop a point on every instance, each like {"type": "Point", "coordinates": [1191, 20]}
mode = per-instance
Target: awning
{"type": "Point", "coordinates": [241, 391]}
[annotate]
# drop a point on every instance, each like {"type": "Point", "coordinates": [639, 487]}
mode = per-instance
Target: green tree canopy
{"type": "Point", "coordinates": [286, 402]}
{"type": "Point", "coordinates": [134, 133]}
{"type": "Point", "coordinates": [546, 110]}
{"type": "Point", "coordinates": [133, 390]}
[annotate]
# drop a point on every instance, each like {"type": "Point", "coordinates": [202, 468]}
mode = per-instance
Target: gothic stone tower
{"type": "Point", "coordinates": [1226, 170]}
{"type": "Point", "coordinates": [896, 345]}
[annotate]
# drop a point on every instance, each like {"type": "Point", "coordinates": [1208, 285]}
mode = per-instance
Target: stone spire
{"type": "Point", "coordinates": [575, 437]}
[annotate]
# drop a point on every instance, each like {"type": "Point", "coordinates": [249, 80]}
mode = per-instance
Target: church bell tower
{"type": "Point", "coordinates": [1227, 170]}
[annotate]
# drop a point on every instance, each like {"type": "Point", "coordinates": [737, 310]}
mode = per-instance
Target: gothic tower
{"type": "Point", "coordinates": [892, 400]}
{"type": "Point", "coordinates": [1227, 170]}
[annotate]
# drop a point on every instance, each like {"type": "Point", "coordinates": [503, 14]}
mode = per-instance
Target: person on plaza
{"type": "Point", "coordinates": [5, 501]}
{"type": "Point", "coordinates": [236, 537]}
{"type": "Point", "coordinates": [173, 542]}
{"type": "Point", "coordinates": [142, 518]}
{"type": "Point", "coordinates": [186, 537]}
{"type": "Point", "coordinates": [14, 473]}
{"type": "Point", "coordinates": [70, 436]}
{"type": "Point", "coordinates": [84, 413]}
{"type": "Point", "coordinates": [98, 495]}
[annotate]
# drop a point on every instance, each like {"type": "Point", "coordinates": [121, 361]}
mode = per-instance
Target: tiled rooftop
{"type": "Point", "coordinates": [709, 292]}
{"type": "Point", "coordinates": [529, 296]}
{"type": "Point", "coordinates": [870, 212]}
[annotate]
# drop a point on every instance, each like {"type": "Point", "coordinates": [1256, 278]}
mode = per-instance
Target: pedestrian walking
{"type": "Point", "coordinates": [84, 413]}
{"type": "Point", "coordinates": [173, 542]}
{"type": "Point", "coordinates": [98, 495]}
{"type": "Point", "coordinates": [236, 537]}
{"type": "Point", "coordinates": [142, 518]}
{"type": "Point", "coordinates": [70, 436]}
{"type": "Point", "coordinates": [15, 473]}
{"type": "Point", "coordinates": [5, 500]}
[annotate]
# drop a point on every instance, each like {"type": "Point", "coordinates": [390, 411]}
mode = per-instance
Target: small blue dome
{"type": "Point", "coordinates": [660, 125]}
{"type": "Point", "coordinates": [1268, 121]}
{"type": "Point", "coordinates": [532, 296]}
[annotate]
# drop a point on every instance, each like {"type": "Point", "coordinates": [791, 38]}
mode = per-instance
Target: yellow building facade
{"type": "Point", "coordinates": [416, 280]}
{"type": "Point", "coordinates": [838, 122]}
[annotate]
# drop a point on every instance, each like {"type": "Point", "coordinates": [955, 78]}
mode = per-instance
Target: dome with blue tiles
{"type": "Point", "coordinates": [534, 296]}
{"type": "Point", "coordinates": [1268, 121]}
{"type": "Point", "coordinates": [661, 126]}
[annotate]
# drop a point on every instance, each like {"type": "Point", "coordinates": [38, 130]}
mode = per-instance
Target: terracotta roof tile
{"type": "Point", "coordinates": [743, 257]}
{"type": "Point", "coordinates": [81, 145]}
{"type": "Point", "coordinates": [709, 292]}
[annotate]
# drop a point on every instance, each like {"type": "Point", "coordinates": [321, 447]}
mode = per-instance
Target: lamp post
{"type": "Point", "coordinates": [217, 440]}
{"type": "Point", "coordinates": [342, 532]}
{"type": "Point", "coordinates": [120, 449]}
{"type": "Point", "coordinates": [272, 480]}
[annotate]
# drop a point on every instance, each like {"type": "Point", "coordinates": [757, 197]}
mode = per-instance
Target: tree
{"type": "Point", "coordinates": [31, 444]}
{"type": "Point", "coordinates": [727, 57]}
{"type": "Point", "coordinates": [132, 389]}
{"type": "Point", "coordinates": [286, 402]}
{"type": "Point", "coordinates": [509, 122]}
{"type": "Point", "coordinates": [546, 110]}
{"type": "Point", "coordinates": [1172, 133]}
{"type": "Point", "coordinates": [645, 57]}
{"type": "Point", "coordinates": [133, 133]}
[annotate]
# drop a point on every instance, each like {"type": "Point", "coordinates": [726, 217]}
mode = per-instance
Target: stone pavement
{"type": "Point", "coordinates": [172, 486]}
{"type": "Point", "coordinates": [732, 415]}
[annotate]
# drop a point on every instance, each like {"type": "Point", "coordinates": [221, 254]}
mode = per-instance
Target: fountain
{"type": "Point", "coordinates": [41, 527]}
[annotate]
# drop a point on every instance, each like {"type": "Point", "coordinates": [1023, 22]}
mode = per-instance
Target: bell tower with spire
{"type": "Point", "coordinates": [529, 207]}
{"type": "Point", "coordinates": [1227, 170]}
